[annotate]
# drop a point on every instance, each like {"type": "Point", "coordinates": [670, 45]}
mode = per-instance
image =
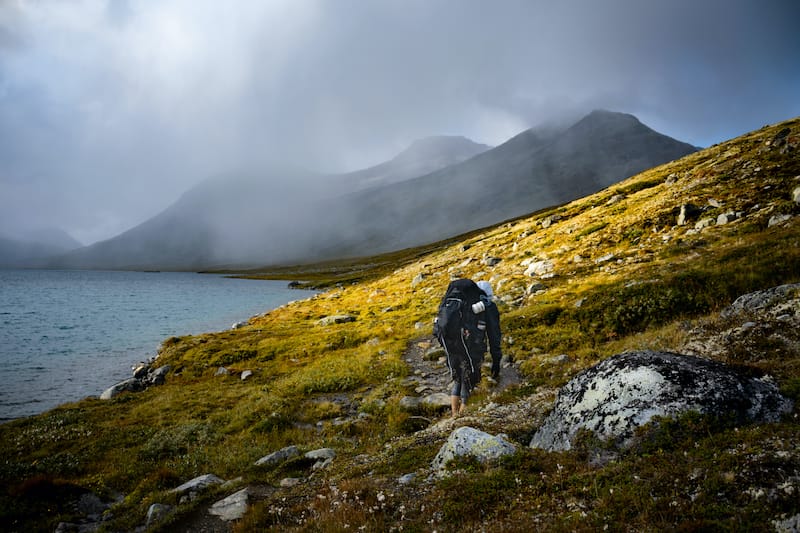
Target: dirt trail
{"type": "Point", "coordinates": [429, 372]}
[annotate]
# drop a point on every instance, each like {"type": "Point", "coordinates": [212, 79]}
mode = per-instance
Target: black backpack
{"type": "Point", "coordinates": [458, 328]}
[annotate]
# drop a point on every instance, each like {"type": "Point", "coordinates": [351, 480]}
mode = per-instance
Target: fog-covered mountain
{"type": "Point", "coordinates": [281, 215]}
{"type": "Point", "coordinates": [422, 157]}
{"type": "Point", "coordinates": [34, 248]}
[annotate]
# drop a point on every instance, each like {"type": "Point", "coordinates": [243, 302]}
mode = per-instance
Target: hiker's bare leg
{"type": "Point", "coordinates": [455, 404]}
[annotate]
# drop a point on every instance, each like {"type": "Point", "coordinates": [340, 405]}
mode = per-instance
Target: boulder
{"type": "Point", "coordinates": [156, 512]}
{"type": "Point", "coordinates": [336, 319]}
{"type": "Point", "coordinates": [778, 219]}
{"type": "Point", "coordinates": [322, 456]}
{"type": "Point", "coordinates": [627, 390]}
{"type": "Point", "coordinates": [279, 456]}
{"type": "Point", "coordinates": [129, 385]}
{"type": "Point", "coordinates": [233, 507]}
{"type": "Point", "coordinates": [467, 441]}
{"type": "Point", "coordinates": [199, 483]}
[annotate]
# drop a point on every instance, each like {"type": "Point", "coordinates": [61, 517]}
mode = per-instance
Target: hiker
{"type": "Point", "coordinates": [467, 317]}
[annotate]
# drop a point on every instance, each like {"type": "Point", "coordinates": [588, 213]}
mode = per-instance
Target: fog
{"type": "Point", "coordinates": [111, 109]}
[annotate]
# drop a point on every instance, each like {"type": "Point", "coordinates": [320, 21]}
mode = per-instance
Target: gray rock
{"type": "Point", "coordinates": [199, 483]}
{"type": "Point", "coordinates": [770, 301]}
{"type": "Point", "coordinates": [539, 268]}
{"type": "Point", "coordinates": [467, 441]}
{"type": "Point", "coordinates": [778, 219]}
{"type": "Point", "coordinates": [336, 319]}
{"type": "Point", "coordinates": [419, 278]}
{"type": "Point", "coordinates": [726, 218]}
{"type": "Point", "coordinates": [437, 400]}
{"type": "Point", "coordinates": [157, 512]}
{"type": "Point", "coordinates": [239, 325]}
{"type": "Point", "coordinates": [704, 223]}
{"type": "Point", "coordinates": [159, 375]}
{"type": "Point", "coordinates": [322, 456]}
{"type": "Point", "coordinates": [410, 403]}
{"type": "Point", "coordinates": [796, 195]}
{"type": "Point", "coordinates": [491, 261]}
{"type": "Point", "coordinates": [222, 371]}
{"type": "Point", "coordinates": [406, 479]}
{"type": "Point", "coordinates": [233, 507]}
{"type": "Point", "coordinates": [129, 385]}
{"type": "Point", "coordinates": [627, 390]}
{"type": "Point", "coordinates": [289, 482]}
{"type": "Point", "coordinates": [279, 456]}
{"type": "Point", "coordinates": [246, 374]}
{"type": "Point", "coordinates": [789, 525]}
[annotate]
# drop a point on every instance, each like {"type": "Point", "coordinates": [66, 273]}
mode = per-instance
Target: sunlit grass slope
{"type": "Point", "coordinates": [617, 273]}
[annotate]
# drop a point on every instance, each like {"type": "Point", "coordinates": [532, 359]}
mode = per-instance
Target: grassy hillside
{"type": "Point", "coordinates": [622, 275]}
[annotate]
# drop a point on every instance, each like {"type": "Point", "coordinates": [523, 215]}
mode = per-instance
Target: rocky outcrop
{"type": "Point", "coordinates": [627, 390]}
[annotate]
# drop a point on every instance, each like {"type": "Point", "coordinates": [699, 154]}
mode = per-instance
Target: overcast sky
{"type": "Point", "coordinates": [110, 109]}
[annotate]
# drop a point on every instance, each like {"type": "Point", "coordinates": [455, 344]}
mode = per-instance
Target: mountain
{"type": "Point", "coordinates": [422, 157]}
{"type": "Point", "coordinates": [34, 248]}
{"type": "Point", "coordinates": [536, 169]}
{"type": "Point", "coordinates": [282, 216]}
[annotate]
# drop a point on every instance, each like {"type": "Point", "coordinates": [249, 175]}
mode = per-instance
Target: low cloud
{"type": "Point", "coordinates": [110, 110]}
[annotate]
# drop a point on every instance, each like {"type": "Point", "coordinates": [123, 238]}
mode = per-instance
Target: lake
{"type": "Point", "coordinates": [66, 335]}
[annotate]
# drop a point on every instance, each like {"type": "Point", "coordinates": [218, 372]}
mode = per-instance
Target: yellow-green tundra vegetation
{"type": "Point", "coordinates": [624, 276]}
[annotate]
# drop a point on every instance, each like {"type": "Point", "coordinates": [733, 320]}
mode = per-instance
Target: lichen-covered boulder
{"type": "Point", "coordinates": [472, 442]}
{"type": "Point", "coordinates": [627, 390]}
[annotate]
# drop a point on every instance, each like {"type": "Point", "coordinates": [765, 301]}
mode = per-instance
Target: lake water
{"type": "Point", "coordinates": [66, 335]}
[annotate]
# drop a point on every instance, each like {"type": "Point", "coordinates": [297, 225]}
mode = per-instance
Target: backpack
{"type": "Point", "coordinates": [458, 327]}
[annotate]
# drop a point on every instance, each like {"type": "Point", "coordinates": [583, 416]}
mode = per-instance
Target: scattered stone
{"type": "Point", "coordinates": [778, 219]}
{"type": "Point", "coordinates": [246, 374]}
{"type": "Point", "coordinates": [627, 390]}
{"type": "Point", "coordinates": [222, 371]}
{"type": "Point", "coordinates": [467, 441]}
{"type": "Point", "coordinates": [437, 400]}
{"type": "Point", "coordinates": [789, 525]}
{"type": "Point", "coordinates": [617, 198]}
{"type": "Point", "coordinates": [491, 261]}
{"type": "Point", "coordinates": [410, 403]}
{"type": "Point", "coordinates": [604, 258]}
{"type": "Point", "coordinates": [239, 325]}
{"type": "Point", "coordinates": [796, 195]}
{"type": "Point", "coordinates": [535, 287]}
{"type": "Point", "coordinates": [726, 218]}
{"type": "Point", "coordinates": [289, 482]}
{"type": "Point", "coordinates": [336, 319]}
{"type": "Point", "coordinates": [157, 512]}
{"type": "Point", "coordinates": [769, 300]}
{"type": "Point", "coordinates": [279, 456]}
{"type": "Point", "coordinates": [714, 203]}
{"type": "Point", "coordinates": [419, 278]}
{"type": "Point", "coordinates": [539, 268]}
{"type": "Point", "coordinates": [199, 483]}
{"type": "Point", "coordinates": [406, 479]}
{"type": "Point", "coordinates": [704, 223]}
{"type": "Point", "coordinates": [233, 507]}
{"type": "Point", "coordinates": [129, 385]}
{"type": "Point", "coordinates": [322, 456]}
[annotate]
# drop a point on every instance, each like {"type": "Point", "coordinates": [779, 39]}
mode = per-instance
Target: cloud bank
{"type": "Point", "coordinates": [110, 109]}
